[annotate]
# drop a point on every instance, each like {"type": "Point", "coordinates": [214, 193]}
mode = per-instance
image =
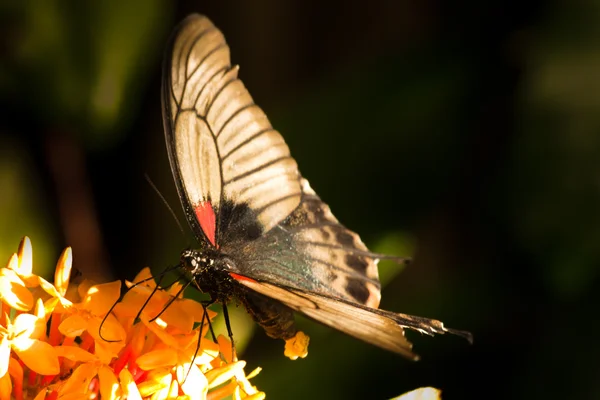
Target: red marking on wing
{"type": "Point", "coordinates": [241, 277]}
{"type": "Point", "coordinates": [206, 216]}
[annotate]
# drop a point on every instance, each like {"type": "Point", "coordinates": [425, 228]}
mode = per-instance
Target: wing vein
{"type": "Point", "coordinates": [233, 115]}
{"type": "Point", "coordinates": [246, 141]}
{"type": "Point", "coordinates": [255, 170]}
{"type": "Point", "coordinates": [223, 44]}
{"type": "Point", "coordinates": [218, 93]}
{"type": "Point", "coordinates": [278, 200]}
{"type": "Point", "coordinates": [201, 91]}
{"type": "Point", "coordinates": [187, 60]}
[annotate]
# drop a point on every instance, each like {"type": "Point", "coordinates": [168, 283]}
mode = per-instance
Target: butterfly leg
{"type": "Point", "coordinates": [229, 331]}
{"type": "Point", "coordinates": [205, 304]}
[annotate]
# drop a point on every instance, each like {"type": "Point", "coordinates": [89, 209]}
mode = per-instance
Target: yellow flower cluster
{"type": "Point", "coordinates": [59, 344]}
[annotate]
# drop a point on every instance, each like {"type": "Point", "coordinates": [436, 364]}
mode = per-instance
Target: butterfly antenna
{"type": "Point", "coordinates": [171, 300]}
{"type": "Point", "coordinates": [154, 290]}
{"type": "Point", "coordinates": [127, 291]}
{"type": "Point", "coordinates": [166, 203]}
{"type": "Point", "coordinates": [113, 307]}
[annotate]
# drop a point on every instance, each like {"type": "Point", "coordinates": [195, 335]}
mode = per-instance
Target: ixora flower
{"type": "Point", "coordinates": [88, 344]}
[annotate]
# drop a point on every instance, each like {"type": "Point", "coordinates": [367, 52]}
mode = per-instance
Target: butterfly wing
{"type": "Point", "coordinates": [227, 160]}
{"type": "Point", "coordinates": [244, 196]}
{"type": "Point", "coordinates": [240, 188]}
{"type": "Point", "coordinates": [310, 250]}
{"type": "Point", "coordinates": [379, 327]}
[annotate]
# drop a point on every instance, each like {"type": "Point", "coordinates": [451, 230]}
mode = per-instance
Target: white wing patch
{"type": "Point", "coordinates": [198, 158]}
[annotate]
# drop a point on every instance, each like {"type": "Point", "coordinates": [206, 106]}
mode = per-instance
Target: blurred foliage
{"type": "Point", "coordinates": [22, 211]}
{"type": "Point", "coordinates": [82, 62]}
{"type": "Point", "coordinates": [464, 135]}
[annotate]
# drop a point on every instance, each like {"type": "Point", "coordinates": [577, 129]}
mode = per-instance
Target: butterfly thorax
{"type": "Point", "coordinates": [210, 269]}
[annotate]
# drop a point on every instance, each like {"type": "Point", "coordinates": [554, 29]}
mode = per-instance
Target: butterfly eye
{"type": "Point", "coordinates": [190, 260]}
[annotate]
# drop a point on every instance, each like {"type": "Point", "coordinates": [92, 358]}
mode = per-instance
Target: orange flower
{"type": "Point", "coordinates": [81, 350]}
{"type": "Point", "coordinates": [424, 393]}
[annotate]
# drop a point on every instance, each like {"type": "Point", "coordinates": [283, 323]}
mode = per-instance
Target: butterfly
{"type": "Point", "coordinates": [266, 238]}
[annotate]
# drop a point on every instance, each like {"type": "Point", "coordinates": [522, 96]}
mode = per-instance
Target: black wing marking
{"type": "Point", "coordinates": [379, 327]}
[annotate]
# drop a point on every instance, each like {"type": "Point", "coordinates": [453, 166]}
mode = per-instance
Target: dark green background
{"type": "Point", "coordinates": [465, 134]}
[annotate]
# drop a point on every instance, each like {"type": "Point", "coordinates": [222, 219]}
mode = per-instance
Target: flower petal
{"type": "Point", "coordinates": [109, 384]}
{"type": "Point", "coordinates": [106, 351]}
{"type": "Point", "coordinates": [177, 316]}
{"type": "Point", "coordinates": [196, 310]}
{"type": "Point", "coordinates": [207, 352]}
{"type": "Point", "coordinates": [40, 323]}
{"type": "Point", "coordinates": [221, 375]}
{"type": "Point", "coordinates": [25, 257]}
{"type": "Point", "coordinates": [80, 379]}
{"type": "Point", "coordinates": [25, 325]}
{"type": "Point", "coordinates": [157, 384]}
{"type": "Point", "coordinates": [62, 274]}
{"type": "Point", "coordinates": [297, 346]}
{"type": "Point", "coordinates": [192, 381]}
{"type": "Point", "coordinates": [49, 288]}
{"type": "Point", "coordinates": [74, 353]}
{"type": "Point", "coordinates": [157, 359]}
{"type": "Point", "coordinates": [106, 329]}
{"type": "Point", "coordinates": [256, 396]}
{"type": "Point", "coordinates": [424, 393]}
{"type": "Point", "coordinates": [5, 387]}
{"type": "Point", "coordinates": [224, 391]}
{"type": "Point", "coordinates": [175, 289]}
{"type": "Point", "coordinates": [226, 348]}
{"type": "Point", "coordinates": [14, 293]}
{"type": "Point", "coordinates": [244, 383]}
{"type": "Point", "coordinates": [143, 278]}
{"type": "Point", "coordinates": [165, 337]}
{"type": "Point", "coordinates": [15, 370]}
{"type": "Point", "coordinates": [39, 356]}
{"type": "Point", "coordinates": [13, 262]}
{"type": "Point", "coordinates": [73, 325]}
{"type": "Point", "coordinates": [100, 298]}
{"type": "Point", "coordinates": [4, 356]}
{"type": "Point", "coordinates": [130, 390]}
{"type": "Point", "coordinates": [50, 305]}
{"type": "Point", "coordinates": [83, 288]}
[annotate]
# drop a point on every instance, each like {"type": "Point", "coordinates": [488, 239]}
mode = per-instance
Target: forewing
{"type": "Point", "coordinates": [381, 328]}
{"type": "Point", "coordinates": [221, 146]}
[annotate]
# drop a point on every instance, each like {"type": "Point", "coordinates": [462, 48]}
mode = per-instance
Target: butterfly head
{"type": "Point", "coordinates": [196, 262]}
{"type": "Point", "coordinates": [211, 271]}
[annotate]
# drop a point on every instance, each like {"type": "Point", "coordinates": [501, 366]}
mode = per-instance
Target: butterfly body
{"type": "Point", "coordinates": [266, 238]}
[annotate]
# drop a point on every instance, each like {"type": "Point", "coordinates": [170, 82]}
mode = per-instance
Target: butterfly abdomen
{"type": "Point", "coordinates": [275, 318]}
